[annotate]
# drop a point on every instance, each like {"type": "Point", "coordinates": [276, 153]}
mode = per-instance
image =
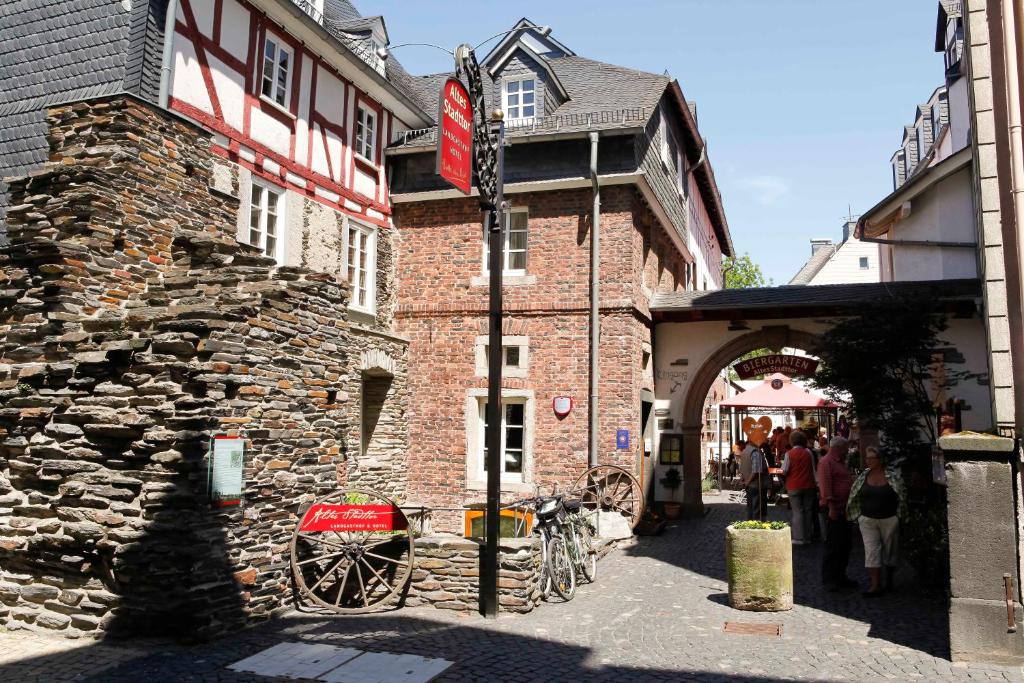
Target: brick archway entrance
{"type": "Point", "coordinates": [774, 338]}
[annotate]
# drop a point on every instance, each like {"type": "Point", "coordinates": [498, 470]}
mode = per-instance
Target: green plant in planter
{"type": "Point", "coordinates": [672, 481]}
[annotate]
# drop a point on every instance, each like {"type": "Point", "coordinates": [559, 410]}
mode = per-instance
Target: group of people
{"type": "Point", "coordinates": [826, 499]}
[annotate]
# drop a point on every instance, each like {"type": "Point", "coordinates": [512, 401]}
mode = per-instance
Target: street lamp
{"type": "Point", "coordinates": [489, 152]}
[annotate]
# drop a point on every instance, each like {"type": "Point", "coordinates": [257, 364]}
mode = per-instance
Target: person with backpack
{"type": "Point", "coordinates": [798, 468]}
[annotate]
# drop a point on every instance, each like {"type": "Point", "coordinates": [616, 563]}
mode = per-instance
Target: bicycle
{"type": "Point", "coordinates": [581, 532]}
{"type": "Point", "coordinates": [548, 513]}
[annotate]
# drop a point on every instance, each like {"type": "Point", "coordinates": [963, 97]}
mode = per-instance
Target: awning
{"type": "Point", "coordinates": [778, 391]}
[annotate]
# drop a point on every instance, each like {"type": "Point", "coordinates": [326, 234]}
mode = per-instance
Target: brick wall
{"type": "Point", "coordinates": [132, 328]}
{"type": "Point", "coordinates": [444, 309]}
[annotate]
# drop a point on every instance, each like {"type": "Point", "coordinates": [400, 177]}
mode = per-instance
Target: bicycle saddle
{"type": "Point", "coordinates": [571, 505]}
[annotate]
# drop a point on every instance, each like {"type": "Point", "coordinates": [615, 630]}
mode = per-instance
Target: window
{"type": "Point", "coordinates": [515, 355]}
{"type": "Point", "coordinates": [276, 71]}
{"type": "Point", "coordinates": [671, 449]}
{"type": "Point", "coordinates": [362, 265]}
{"type": "Point", "coordinates": [366, 133]}
{"type": "Point", "coordinates": [518, 99]}
{"type": "Point", "coordinates": [265, 220]}
{"type": "Point", "coordinates": [513, 438]}
{"type": "Point", "coordinates": [863, 262]}
{"type": "Point", "coordinates": [514, 248]}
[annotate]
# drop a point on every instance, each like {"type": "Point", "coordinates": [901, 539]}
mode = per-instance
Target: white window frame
{"type": "Point", "coordinates": [476, 476]}
{"type": "Point", "coordinates": [505, 246]}
{"type": "Point", "coordinates": [266, 190]}
{"type": "Point", "coordinates": [507, 108]}
{"type": "Point", "coordinates": [366, 118]}
{"type": "Point", "coordinates": [480, 348]}
{"type": "Point", "coordinates": [367, 238]}
{"type": "Point", "coordinates": [279, 47]}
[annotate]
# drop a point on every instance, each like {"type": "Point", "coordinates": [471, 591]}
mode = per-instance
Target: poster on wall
{"type": "Point", "coordinates": [225, 471]}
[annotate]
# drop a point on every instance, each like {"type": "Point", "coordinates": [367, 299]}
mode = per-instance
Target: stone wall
{"type": "Point", "coordinates": [132, 328]}
{"type": "Point", "coordinates": [447, 574]}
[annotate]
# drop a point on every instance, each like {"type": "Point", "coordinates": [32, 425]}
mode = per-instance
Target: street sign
{"type": "Point", "coordinates": [792, 366]}
{"type": "Point", "coordinates": [455, 135]}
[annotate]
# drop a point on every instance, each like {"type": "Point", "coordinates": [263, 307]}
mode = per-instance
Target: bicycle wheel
{"type": "Point", "coordinates": [561, 569]}
{"type": "Point", "coordinates": [587, 554]}
{"type": "Point", "coordinates": [545, 572]}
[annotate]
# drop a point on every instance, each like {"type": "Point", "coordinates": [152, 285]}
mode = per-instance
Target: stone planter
{"type": "Point", "coordinates": [759, 563]}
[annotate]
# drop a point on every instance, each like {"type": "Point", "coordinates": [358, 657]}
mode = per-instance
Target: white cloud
{"type": "Point", "coordinates": [766, 189]}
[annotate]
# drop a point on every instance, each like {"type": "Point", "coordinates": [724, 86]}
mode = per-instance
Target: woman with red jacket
{"type": "Point", "coordinates": [798, 468]}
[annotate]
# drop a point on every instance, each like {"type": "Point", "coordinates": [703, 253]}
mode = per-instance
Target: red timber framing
{"type": "Point", "coordinates": [296, 169]}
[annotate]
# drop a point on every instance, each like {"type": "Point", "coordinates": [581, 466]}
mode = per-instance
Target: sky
{"type": "Point", "coordinates": [802, 102]}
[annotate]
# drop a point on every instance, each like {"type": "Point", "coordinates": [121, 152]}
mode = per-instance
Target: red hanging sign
{"type": "Point", "coordinates": [328, 517]}
{"type": "Point", "coordinates": [791, 366]}
{"type": "Point", "coordinates": [455, 135]}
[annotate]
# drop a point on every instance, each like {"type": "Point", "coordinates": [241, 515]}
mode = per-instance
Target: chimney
{"type": "Point", "coordinates": [819, 244]}
{"type": "Point", "coordinates": [848, 228]}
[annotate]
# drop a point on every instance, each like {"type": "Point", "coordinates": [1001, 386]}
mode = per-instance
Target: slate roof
{"type": "Point", "coordinates": [813, 265]}
{"type": "Point", "coordinates": [818, 297]}
{"type": "Point", "coordinates": [53, 52]}
{"type": "Point", "coordinates": [602, 97]}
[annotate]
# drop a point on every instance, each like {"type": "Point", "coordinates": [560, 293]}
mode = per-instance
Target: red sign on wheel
{"type": "Point", "coordinates": [455, 135]}
{"type": "Point", "coordinates": [328, 517]}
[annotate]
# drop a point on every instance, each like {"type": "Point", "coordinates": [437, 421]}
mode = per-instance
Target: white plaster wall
{"type": "Point", "coordinates": [230, 89]}
{"type": "Point", "coordinates": [944, 213]}
{"type": "Point", "coordinates": [235, 40]}
{"type": "Point", "coordinates": [270, 132]}
{"type": "Point", "coordinates": [844, 266]}
{"type": "Point", "coordinates": [294, 228]}
{"type": "Point", "coordinates": [968, 337]}
{"type": "Point", "coordinates": [188, 84]}
{"type": "Point", "coordinates": [959, 114]}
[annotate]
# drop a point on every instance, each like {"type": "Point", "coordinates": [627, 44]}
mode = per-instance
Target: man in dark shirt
{"type": "Point", "coordinates": [834, 483]}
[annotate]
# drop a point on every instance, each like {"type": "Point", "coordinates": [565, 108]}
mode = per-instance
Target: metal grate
{"type": "Point", "coordinates": [748, 629]}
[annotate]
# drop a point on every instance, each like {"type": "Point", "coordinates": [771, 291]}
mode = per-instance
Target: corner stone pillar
{"type": "Point", "coordinates": [982, 548]}
{"type": "Point", "coordinates": [693, 499]}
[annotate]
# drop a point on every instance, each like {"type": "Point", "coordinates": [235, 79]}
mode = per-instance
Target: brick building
{"type": "Point", "coordinates": [662, 229]}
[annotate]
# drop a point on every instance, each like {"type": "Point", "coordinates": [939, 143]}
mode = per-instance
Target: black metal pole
{"type": "Point", "coordinates": [494, 221]}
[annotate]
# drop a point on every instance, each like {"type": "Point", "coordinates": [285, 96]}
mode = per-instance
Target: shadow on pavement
{"type": "Point", "coordinates": [478, 653]}
{"type": "Point", "coordinates": [905, 617]}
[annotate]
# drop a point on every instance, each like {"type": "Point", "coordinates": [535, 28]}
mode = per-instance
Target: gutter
{"type": "Point", "coordinates": [168, 53]}
{"type": "Point", "coordinates": [920, 243]}
{"type": "Point", "coordinates": [595, 293]}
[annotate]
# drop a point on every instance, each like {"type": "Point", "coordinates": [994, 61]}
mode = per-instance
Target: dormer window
{"type": "Point", "coordinates": [519, 98]}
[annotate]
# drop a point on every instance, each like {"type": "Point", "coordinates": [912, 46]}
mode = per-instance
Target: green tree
{"type": "Point", "coordinates": [741, 272]}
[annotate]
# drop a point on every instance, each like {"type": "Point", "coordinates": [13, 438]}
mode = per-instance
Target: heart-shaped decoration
{"type": "Point", "coordinates": [757, 430]}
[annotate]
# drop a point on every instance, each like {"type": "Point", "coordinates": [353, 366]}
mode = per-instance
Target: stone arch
{"type": "Point", "coordinates": [773, 337]}
{"type": "Point", "coordinates": [377, 363]}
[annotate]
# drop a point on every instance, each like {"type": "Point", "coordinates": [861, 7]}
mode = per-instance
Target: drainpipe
{"type": "Point", "coordinates": [168, 53]}
{"type": "Point", "coordinates": [595, 286]}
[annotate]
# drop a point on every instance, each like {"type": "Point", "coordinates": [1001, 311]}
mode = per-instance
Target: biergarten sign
{"type": "Point", "coordinates": [330, 517]}
{"type": "Point", "coordinates": [791, 366]}
{"type": "Point", "coordinates": [455, 135]}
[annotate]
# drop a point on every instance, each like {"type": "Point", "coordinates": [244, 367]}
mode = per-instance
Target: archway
{"type": "Point", "coordinates": [773, 337]}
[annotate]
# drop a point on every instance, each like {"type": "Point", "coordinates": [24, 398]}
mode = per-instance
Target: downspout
{"type": "Point", "coordinates": [168, 54]}
{"type": "Point", "coordinates": [595, 290]}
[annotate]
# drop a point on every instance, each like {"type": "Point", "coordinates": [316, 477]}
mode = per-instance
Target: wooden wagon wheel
{"type": "Point", "coordinates": [352, 551]}
{"type": "Point", "coordinates": [611, 489]}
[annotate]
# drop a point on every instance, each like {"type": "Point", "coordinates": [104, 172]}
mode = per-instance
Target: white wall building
{"type": "Point", "coordinates": [852, 260]}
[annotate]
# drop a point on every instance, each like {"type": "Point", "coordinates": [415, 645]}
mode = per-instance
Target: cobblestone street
{"type": "Point", "coordinates": [655, 613]}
